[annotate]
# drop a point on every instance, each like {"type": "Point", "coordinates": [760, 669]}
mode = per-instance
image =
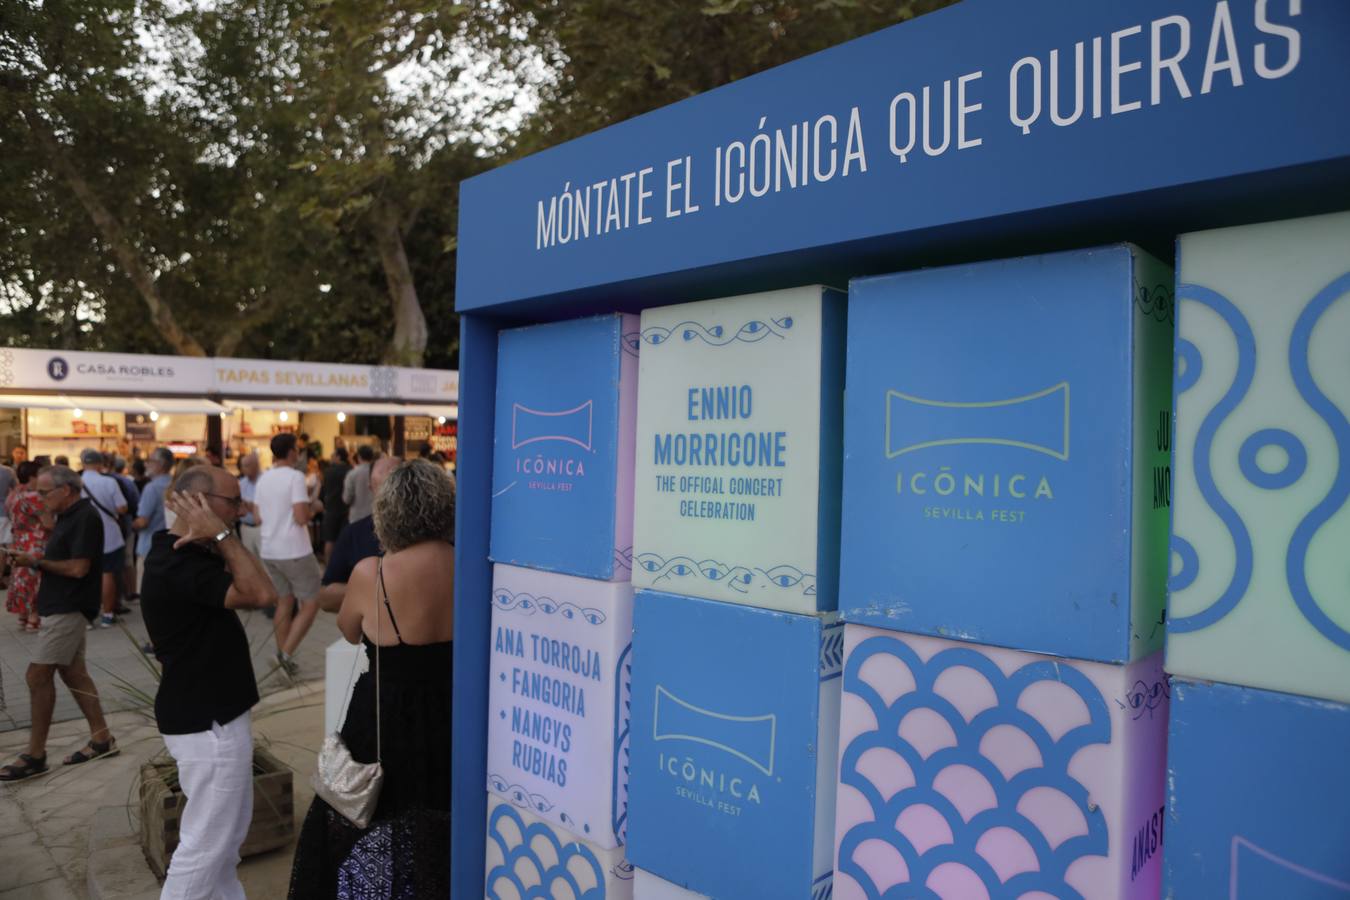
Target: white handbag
{"type": "Point", "coordinates": [352, 788]}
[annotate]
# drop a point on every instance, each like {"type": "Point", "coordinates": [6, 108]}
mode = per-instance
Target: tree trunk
{"type": "Point", "coordinates": [111, 229]}
{"type": "Point", "coordinates": [409, 346]}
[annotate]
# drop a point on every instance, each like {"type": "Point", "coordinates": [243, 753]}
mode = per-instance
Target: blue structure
{"type": "Point", "coordinates": [1000, 429]}
{"type": "Point", "coordinates": [556, 457]}
{"type": "Point", "coordinates": [1134, 163]}
{"type": "Point", "coordinates": [1259, 784]}
{"type": "Point", "coordinates": [733, 762]}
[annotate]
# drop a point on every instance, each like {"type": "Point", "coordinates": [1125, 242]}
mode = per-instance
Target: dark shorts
{"type": "Point", "coordinates": [114, 561]}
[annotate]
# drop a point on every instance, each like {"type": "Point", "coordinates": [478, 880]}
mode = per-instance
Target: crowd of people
{"type": "Point", "coordinates": [191, 543]}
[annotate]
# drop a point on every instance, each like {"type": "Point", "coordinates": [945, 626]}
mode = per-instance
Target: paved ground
{"type": "Point", "coordinates": [46, 823]}
{"type": "Point", "coordinates": [120, 670]}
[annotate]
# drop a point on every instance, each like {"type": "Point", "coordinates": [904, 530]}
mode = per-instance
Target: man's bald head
{"type": "Point", "coordinates": [207, 480]}
{"type": "Point", "coordinates": [220, 488]}
{"type": "Point", "coordinates": [380, 469]}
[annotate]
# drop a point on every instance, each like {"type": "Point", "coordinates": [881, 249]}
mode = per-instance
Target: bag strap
{"type": "Point", "coordinates": [384, 590]}
{"type": "Point", "coordinates": [379, 569]}
{"type": "Point", "coordinates": [101, 508]}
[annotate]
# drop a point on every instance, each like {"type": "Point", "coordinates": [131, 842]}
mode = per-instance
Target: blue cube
{"type": "Point", "coordinates": [562, 464]}
{"type": "Point", "coordinates": [1259, 804]}
{"type": "Point", "coordinates": [1006, 439]}
{"type": "Point", "coordinates": [735, 728]}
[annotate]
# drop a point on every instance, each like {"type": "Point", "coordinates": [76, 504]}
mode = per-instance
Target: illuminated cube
{"type": "Point", "coordinates": [739, 436]}
{"type": "Point", "coordinates": [735, 718]}
{"type": "Point", "coordinates": [562, 464]}
{"type": "Point", "coordinates": [1258, 789]}
{"type": "Point", "coordinates": [558, 695]}
{"type": "Point", "coordinates": [1006, 452]}
{"type": "Point", "coordinates": [972, 771]}
{"type": "Point", "coordinates": [1260, 593]}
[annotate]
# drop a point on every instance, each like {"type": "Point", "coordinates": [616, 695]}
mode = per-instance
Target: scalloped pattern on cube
{"type": "Point", "coordinates": [537, 864]}
{"type": "Point", "coordinates": [951, 815]}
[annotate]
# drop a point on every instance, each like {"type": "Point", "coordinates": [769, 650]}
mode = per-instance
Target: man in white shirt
{"type": "Point", "coordinates": [282, 502]}
{"type": "Point", "coordinates": [107, 497]}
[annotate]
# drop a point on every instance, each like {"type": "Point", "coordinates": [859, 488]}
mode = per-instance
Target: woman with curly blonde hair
{"type": "Point", "coordinates": [401, 607]}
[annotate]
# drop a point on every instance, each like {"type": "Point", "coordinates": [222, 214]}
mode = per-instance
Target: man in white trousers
{"type": "Point", "coordinates": [196, 575]}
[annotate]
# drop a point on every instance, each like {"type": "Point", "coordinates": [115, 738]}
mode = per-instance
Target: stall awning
{"type": "Point", "coordinates": [111, 404]}
{"type": "Point", "coordinates": [450, 412]}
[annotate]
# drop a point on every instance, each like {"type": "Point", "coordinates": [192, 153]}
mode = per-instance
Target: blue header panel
{"type": "Point", "coordinates": [979, 111]}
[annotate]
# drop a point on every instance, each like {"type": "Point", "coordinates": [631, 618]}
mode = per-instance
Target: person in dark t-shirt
{"type": "Point", "coordinates": [196, 575]}
{"type": "Point", "coordinates": [67, 598]}
{"type": "Point", "coordinates": [356, 542]}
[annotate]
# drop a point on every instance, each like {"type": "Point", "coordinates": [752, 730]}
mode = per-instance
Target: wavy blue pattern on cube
{"type": "Point", "coordinates": [751, 332]}
{"type": "Point", "coordinates": [548, 876]}
{"type": "Point", "coordinates": [738, 578]}
{"type": "Point", "coordinates": [1296, 558]}
{"type": "Point", "coordinates": [623, 713]}
{"type": "Point", "coordinates": [528, 604]}
{"type": "Point", "coordinates": [1204, 445]}
{"type": "Point", "coordinates": [1054, 772]}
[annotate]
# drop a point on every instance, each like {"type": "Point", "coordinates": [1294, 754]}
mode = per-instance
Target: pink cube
{"type": "Point", "coordinates": [983, 772]}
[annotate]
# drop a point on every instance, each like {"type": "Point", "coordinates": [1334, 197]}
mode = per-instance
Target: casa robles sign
{"type": "Point", "coordinates": [74, 370]}
{"type": "Point", "coordinates": [956, 116]}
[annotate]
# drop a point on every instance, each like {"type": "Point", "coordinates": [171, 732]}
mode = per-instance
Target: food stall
{"type": "Point", "coordinates": [58, 402]}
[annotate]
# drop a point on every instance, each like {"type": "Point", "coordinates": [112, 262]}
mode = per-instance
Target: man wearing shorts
{"type": "Point", "coordinates": [283, 504]}
{"type": "Point", "coordinates": [67, 598]}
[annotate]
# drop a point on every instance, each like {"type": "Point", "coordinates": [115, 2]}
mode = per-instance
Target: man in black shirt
{"type": "Point", "coordinates": [356, 542]}
{"type": "Point", "coordinates": [196, 575]}
{"type": "Point", "coordinates": [67, 599]}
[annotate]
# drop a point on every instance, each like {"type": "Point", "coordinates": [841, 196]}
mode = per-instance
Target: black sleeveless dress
{"type": "Point", "coordinates": [405, 853]}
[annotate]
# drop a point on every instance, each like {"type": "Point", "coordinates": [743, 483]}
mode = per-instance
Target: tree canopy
{"type": "Point", "coordinates": [278, 178]}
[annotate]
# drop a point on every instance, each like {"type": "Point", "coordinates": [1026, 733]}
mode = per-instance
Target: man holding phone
{"type": "Point", "coordinates": [67, 599]}
{"type": "Point", "coordinates": [196, 575]}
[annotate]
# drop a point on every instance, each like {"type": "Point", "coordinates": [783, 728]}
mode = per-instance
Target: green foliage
{"type": "Point", "coordinates": [279, 178]}
{"type": "Point", "coordinates": [608, 60]}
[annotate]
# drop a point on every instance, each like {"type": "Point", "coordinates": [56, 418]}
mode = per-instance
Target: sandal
{"type": "Point", "coordinates": [28, 767]}
{"type": "Point", "coordinates": [97, 751]}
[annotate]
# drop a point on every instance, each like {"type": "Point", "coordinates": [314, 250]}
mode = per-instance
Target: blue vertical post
{"type": "Point", "coordinates": [473, 588]}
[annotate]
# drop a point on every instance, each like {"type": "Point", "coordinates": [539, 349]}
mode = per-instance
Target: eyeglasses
{"type": "Point", "coordinates": [233, 501]}
{"type": "Point", "coordinates": [42, 492]}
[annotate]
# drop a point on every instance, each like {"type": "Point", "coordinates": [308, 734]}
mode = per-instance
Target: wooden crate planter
{"type": "Point", "coordinates": [162, 804]}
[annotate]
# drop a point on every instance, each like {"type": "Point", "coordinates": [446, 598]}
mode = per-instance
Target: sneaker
{"type": "Point", "coordinates": [289, 665]}
{"type": "Point", "coordinates": [106, 620]}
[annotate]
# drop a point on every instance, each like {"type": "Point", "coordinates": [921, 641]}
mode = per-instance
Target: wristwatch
{"type": "Point", "coordinates": [219, 538]}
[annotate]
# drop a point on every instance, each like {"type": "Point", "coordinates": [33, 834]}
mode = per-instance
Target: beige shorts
{"type": "Point", "coordinates": [299, 578]}
{"type": "Point", "coordinates": [60, 640]}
